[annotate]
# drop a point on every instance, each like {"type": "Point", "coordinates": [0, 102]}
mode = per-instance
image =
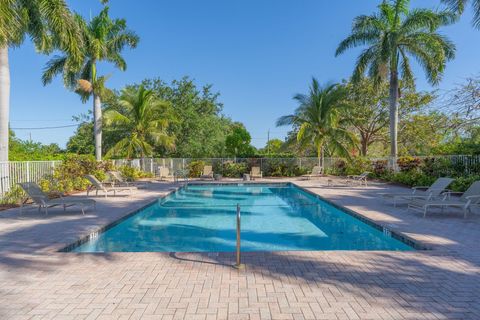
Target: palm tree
{"type": "Point", "coordinates": [318, 120]}
{"type": "Point", "coordinates": [393, 35]}
{"type": "Point", "coordinates": [459, 6]}
{"type": "Point", "coordinates": [143, 119]}
{"type": "Point", "coordinates": [103, 40]}
{"type": "Point", "coordinates": [48, 24]}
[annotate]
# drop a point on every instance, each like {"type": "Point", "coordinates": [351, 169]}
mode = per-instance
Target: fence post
{"type": "Point", "coordinates": [28, 171]}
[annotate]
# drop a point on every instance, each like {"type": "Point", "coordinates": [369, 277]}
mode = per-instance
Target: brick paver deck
{"type": "Point", "coordinates": [36, 282]}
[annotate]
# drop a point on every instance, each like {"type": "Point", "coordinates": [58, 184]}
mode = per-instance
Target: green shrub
{"type": "Point", "coordinates": [380, 168]}
{"type": "Point", "coordinates": [132, 174]}
{"type": "Point", "coordinates": [283, 168]}
{"type": "Point", "coordinates": [13, 196]}
{"type": "Point", "coordinates": [69, 176]}
{"type": "Point", "coordinates": [461, 184]}
{"type": "Point", "coordinates": [195, 168]}
{"type": "Point", "coordinates": [338, 169]}
{"type": "Point", "coordinates": [412, 178]}
{"type": "Point", "coordinates": [357, 165]}
{"type": "Point", "coordinates": [408, 163]}
{"type": "Point", "coordinates": [234, 170]}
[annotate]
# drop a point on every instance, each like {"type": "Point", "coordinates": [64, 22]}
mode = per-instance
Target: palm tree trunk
{"type": "Point", "coordinates": [320, 155]}
{"type": "Point", "coordinates": [4, 102]}
{"type": "Point", "coordinates": [97, 125]}
{"type": "Point", "coordinates": [393, 116]}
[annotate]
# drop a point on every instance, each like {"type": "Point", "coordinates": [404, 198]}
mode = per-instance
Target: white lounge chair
{"type": "Point", "coordinates": [465, 201]}
{"type": "Point", "coordinates": [98, 186]}
{"type": "Point", "coordinates": [118, 180]}
{"type": "Point", "coordinates": [255, 172]}
{"type": "Point", "coordinates": [361, 178]}
{"type": "Point", "coordinates": [435, 190]}
{"type": "Point", "coordinates": [207, 172]}
{"type": "Point", "coordinates": [164, 173]}
{"type": "Point", "coordinates": [317, 171]}
{"type": "Point", "coordinates": [40, 198]}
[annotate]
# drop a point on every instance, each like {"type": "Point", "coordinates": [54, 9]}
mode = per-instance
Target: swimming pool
{"type": "Point", "coordinates": [201, 218]}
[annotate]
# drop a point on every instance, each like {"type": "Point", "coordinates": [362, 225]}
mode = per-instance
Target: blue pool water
{"type": "Point", "coordinates": [274, 217]}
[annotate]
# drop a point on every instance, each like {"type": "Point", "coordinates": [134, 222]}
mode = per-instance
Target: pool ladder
{"type": "Point", "coordinates": [238, 263]}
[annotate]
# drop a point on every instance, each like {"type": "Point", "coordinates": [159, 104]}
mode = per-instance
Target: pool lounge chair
{"type": "Point", "coordinates": [255, 172]}
{"type": "Point", "coordinates": [467, 199]}
{"type": "Point", "coordinates": [317, 172]}
{"type": "Point", "coordinates": [164, 173]}
{"type": "Point", "coordinates": [207, 173]}
{"type": "Point", "coordinates": [360, 179]}
{"type": "Point", "coordinates": [435, 190]}
{"type": "Point", "coordinates": [98, 186]}
{"type": "Point", "coordinates": [41, 199]}
{"type": "Point", "coordinates": [117, 180]}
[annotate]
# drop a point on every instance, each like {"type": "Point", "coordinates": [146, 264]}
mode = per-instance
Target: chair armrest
{"type": "Point", "coordinates": [58, 193]}
{"type": "Point", "coordinates": [448, 194]}
{"type": "Point", "coordinates": [420, 187]}
{"type": "Point", "coordinates": [473, 197]}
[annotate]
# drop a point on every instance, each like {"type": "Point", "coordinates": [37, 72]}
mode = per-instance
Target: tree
{"type": "Point", "coordinates": [143, 118]}
{"type": "Point", "coordinates": [49, 24]}
{"type": "Point", "coordinates": [201, 127]}
{"type": "Point", "coordinates": [423, 132]}
{"type": "Point", "coordinates": [459, 7]}
{"type": "Point", "coordinates": [369, 105]}
{"type": "Point", "coordinates": [103, 40]}
{"type": "Point", "coordinates": [238, 142]}
{"type": "Point", "coordinates": [368, 111]}
{"type": "Point", "coordinates": [82, 142]}
{"type": "Point", "coordinates": [273, 146]}
{"type": "Point", "coordinates": [393, 35]}
{"type": "Point", "coordinates": [318, 119]}
{"type": "Point", "coordinates": [27, 150]}
{"type": "Point", "coordinates": [463, 101]}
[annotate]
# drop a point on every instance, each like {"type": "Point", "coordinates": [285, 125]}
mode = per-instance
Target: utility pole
{"type": "Point", "coordinates": [268, 142]}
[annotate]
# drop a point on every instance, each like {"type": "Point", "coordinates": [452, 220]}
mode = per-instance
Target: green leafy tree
{"type": "Point", "coordinates": [319, 122]}
{"type": "Point", "coordinates": [393, 35]}
{"type": "Point", "coordinates": [49, 24]}
{"type": "Point", "coordinates": [103, 40]}
{"type": "Point", "coordinates": [423, 132]}
{"type": "Point", "coordinates": [26, 150]}
{"type": "Point", "coordinates": [368, 110]}
{"type": "Point", "coordinates": [238, 142]}
{"type": "Point", "coordinates": [460, 5]}
{"type": "Point", "coordinates": [143, 119]}
{"type": "Point", "coordinates": [201, 127]}
{"type": "Point", "coordinates": [82, 142]}
{"type": "Point", "coordinates": [273, 146]}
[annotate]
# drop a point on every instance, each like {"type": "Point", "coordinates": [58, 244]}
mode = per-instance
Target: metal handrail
{"type": "Point", "coordinates": [239, 264]}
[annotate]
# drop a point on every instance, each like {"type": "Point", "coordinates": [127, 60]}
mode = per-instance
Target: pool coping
{"type": "Point", "coordinates": [415, 244]}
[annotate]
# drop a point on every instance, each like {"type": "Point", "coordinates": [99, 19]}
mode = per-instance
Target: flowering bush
{"type": "Point", "coordinates": [408, 163]}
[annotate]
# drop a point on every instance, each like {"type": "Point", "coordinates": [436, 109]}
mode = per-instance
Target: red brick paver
{"type": "Point", "coordinates": [38, 283]}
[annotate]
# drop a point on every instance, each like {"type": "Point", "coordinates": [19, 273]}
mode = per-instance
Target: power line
{"type": "Point", "coordinates": [47, 128]}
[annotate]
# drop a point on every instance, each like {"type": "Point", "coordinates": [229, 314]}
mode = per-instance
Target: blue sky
{"type": "Point", "coordinates": [256, 53]}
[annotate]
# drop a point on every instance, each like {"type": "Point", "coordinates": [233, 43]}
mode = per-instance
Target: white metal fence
{"type": "Point", "coordinates": [14, 172]}
{"type": "Point", "coordinates": [152, 165]}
